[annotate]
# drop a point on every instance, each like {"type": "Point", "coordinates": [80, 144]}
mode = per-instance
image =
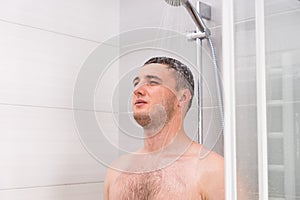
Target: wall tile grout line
{"type": "Point", "coordinates": [86, 39]}
{"type": "Point", "coordinates": [246, 105]}
{"type": "Point", "coordinates": [55, 32]}
{"type": "Point", "coordinates": [283, 12]}
{"type": "Point", "coordinates": [124, 112]}
{"type": "Point", "coordinates": [98, 42]}
{"type": "Point", "coordinates": [104, 111]}
{"type": "Point", "coordinates": [267, 15]}
{"type": "Point", "coordinates": [48, 186]}
{"type": "Point", "coordinates": [53, 107]}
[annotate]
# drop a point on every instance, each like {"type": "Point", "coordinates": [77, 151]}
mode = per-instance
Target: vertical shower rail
{"type": "Point", "coordinates": [262, 137]}
{"type": "Point", "coordinates": [199, 84]}
{"type": "Point", "coordinates": [229, 99]}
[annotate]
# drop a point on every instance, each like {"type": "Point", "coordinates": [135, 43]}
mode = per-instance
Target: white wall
{"type": "Point", "coordinates": [43, 46]}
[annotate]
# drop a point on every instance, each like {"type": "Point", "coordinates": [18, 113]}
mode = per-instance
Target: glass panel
{"type": "Point", "coordinates": [246, 115]}
{"type": "Point", "coordinates": [283, 91]}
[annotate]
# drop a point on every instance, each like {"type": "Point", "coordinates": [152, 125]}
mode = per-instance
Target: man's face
{"type": "Point", "coordinates": [154, 97]}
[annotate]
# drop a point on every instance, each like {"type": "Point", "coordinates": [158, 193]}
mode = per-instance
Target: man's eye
{"type": "Point", "coordinates": [153, 83]}
{"type": "Point", "coordinates": [135, 84]}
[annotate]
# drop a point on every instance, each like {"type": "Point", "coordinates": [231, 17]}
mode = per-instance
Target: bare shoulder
{"type": "Point", "coordinates": [110, 176]}
{"type": "Point", "coordinates": [211, 174]}
{"type": "Point", "coordinates": [112, 172]}
{"type": "Point", "coordinates": [210, 158]}
{"type": "Point", "coordinates": [207, 157]}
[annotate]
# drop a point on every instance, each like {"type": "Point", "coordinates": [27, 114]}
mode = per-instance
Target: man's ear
{"type": "Point", "coordinates": [185, 96]}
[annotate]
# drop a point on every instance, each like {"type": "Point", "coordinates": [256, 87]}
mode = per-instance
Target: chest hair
{"type": "Point", "coordinates": [147, 186]}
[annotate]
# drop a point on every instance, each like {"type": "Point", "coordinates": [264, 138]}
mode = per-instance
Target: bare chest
{"type": "Point", "coordinates": [171, 183]}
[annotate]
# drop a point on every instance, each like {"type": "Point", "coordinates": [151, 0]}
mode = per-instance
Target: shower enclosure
{"type": "Point", "coordinates": [258, 51]}
{"type": "Point", "coordinates": [261, 74]}
{"type": "Point", "coordinates": [261, 70]}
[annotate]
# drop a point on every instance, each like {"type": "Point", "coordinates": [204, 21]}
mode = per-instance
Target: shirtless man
{"type": "Point", "coordinates": [170, 166]}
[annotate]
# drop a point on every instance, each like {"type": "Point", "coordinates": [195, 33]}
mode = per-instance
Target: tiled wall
{"type": "Point", "coordinates": [43, 46]}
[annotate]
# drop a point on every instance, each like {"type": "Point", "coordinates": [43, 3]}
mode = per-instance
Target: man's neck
{"type": "Point", "coordinates": [171, 132]}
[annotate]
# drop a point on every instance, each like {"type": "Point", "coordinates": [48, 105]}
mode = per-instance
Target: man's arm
{"type": "Point", "coordinates": [110, 176]}
{"type": "Point", "coordinates": [107, 184]}
{"type": "Point", "coordinates": [214, 182]}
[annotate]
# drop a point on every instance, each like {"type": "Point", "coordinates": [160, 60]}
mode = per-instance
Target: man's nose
{"type": "Point", "coordinates": [140, 90]}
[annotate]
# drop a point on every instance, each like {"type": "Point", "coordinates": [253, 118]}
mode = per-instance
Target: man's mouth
{"type": "Point", "coordinates": [140, 102]}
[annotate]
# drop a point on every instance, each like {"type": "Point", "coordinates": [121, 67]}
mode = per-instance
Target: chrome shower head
{"type": "Point", "coordinates": [174, 2]}
{"type": "Point", "coordinates": [193, 13]}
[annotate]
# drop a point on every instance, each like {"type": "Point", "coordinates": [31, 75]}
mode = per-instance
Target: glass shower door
{"type": "Point", "coordinates": [266, 73]}
{"type": "Point", "coordinates": [283, 92]}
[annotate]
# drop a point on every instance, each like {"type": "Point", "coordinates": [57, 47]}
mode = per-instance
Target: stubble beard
{"type": "Point", "coordinates": [143, 119]}
{"type": "Point", "coordinates": [156, 118]}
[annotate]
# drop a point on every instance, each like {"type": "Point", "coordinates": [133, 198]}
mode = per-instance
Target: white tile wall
{"type": "Point", "coordinates": [216, 13]}
{"type": "Point", "coordinates": [156, 13]}
{"type": "Point", "coordinates": [41, 146]}
{"type": "Point", "coordinates": [212, 130]}
{"type": "Point", "coordinates": [96, 20]}
{"type": "Point", "coordinates": [43, 46]}
{"type": "Point", "coordinates": [84, 191]}
{"type": "Point", "coordinates": [159, 14]}
{"type": "Point", "coordinates": [209, 83]}
{"type": "Point", "coordinates": [39, 68]}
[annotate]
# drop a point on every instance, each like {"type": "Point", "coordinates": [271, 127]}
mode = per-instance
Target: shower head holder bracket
{"type": "Point", "coordinates": [204, 10]}
{"type": "Point", "coordinates": [191, 36]}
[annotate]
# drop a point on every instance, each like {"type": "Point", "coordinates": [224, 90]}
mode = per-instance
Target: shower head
{"type": "Point", "coordinates": [174, 2]}
{"type": "Point", "coordinates": [193, 13]}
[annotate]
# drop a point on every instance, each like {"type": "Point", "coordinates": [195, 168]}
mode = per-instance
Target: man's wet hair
{"type": "Point", "coordinates": [183, 75]}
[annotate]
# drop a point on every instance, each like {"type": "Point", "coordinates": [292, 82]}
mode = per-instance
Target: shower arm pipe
{"type": "Point", "coordinates": [196, 17]}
